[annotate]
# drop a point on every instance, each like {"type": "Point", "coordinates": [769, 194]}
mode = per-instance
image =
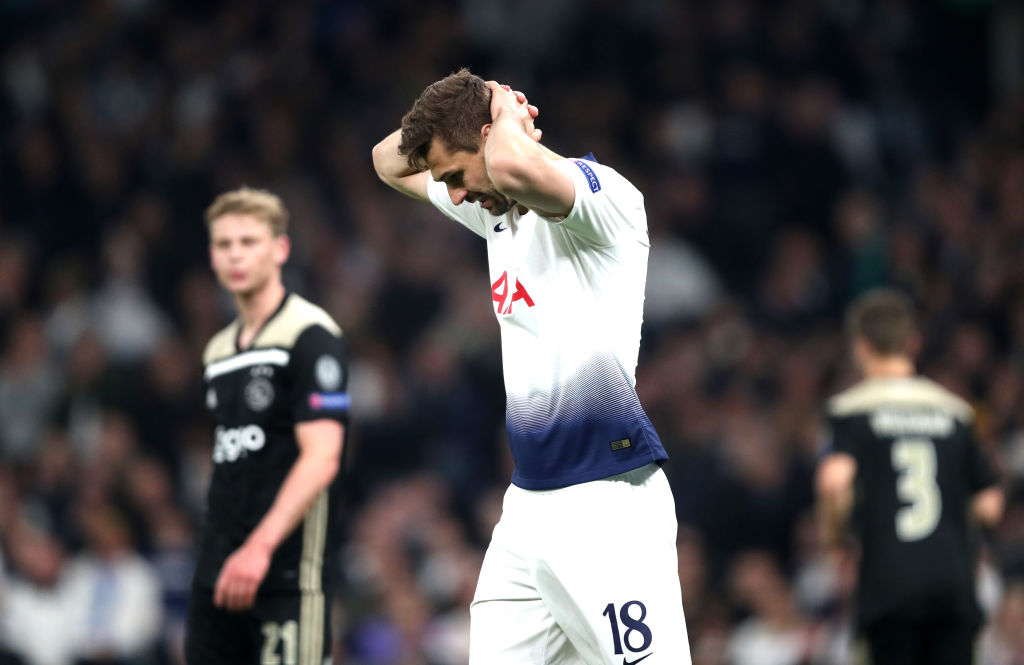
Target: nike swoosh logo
{"type": "Point", "coordinates": [498, 229]}
{"type": "Point", "coordinates": [634, 662]}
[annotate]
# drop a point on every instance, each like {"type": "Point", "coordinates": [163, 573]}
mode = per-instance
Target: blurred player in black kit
{"type": "Point", "coordinates": [904, 469]}
{"type": "Point", "coordinates": [276, 386]}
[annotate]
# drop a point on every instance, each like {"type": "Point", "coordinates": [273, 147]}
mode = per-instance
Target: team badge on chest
{"type": "Point", "coordinates": [500, 294]}
{"type": "Point", "coordinates": [259, 393]}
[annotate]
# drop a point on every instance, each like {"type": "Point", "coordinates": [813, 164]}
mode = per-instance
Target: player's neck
{"type": "Point", "coordinates": [255, 308]}
{"type": "Point", "coordinates": [889, 367]}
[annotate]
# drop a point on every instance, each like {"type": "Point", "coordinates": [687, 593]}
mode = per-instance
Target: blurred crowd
{"type": "Point", "coordinates": [793, 153]}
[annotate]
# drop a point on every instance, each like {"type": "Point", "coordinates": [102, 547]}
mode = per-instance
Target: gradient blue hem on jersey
{"type": "Point", "coordinates": [582, 451]}
{"type": "Point", "coordinates": [588, 425]}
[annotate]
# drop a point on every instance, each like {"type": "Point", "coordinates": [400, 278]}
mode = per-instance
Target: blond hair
{"type": "Point", "coordinates": [259, 203]}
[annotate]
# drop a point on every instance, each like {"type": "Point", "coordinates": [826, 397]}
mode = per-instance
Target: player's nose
{"type": "Point", "coordinates": [458, 194]}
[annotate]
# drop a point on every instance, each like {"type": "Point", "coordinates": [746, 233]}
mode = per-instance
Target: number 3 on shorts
{"type": "Point", "coordinates": [638, 636]}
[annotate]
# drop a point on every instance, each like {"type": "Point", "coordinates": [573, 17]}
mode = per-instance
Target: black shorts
{"type": "Point", "coordinates": [281, 628]}
{"type": "Point", "coordinates": [900, 641]}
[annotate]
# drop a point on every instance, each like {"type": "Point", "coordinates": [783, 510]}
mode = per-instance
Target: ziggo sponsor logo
{"type": "Point", "coordinates": [232, 443]}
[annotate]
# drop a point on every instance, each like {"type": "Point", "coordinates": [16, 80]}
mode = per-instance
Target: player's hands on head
{"type": "Point", "coordinates": [506, 100]}
{"type": "Point", "coordinates": [240, 577]}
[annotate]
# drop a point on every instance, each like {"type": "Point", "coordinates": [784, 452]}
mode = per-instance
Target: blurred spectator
{"type": "Point", "coordinates": [15, 271]}
{"type": "Point", "coordinates": [1002, 643]}
{"type": "Point", "coordinates": [36, 600]}
{"type": "Point", "coordinates": [681, 286]}
{"type": "Point", "coordinates": [67, 298]}
{"type": "Point", "coordinates": [114, 592]}
{"type": "Point", "coordinates": [29, 388]}
{"type": "Point", "coordinates": [91, 386]}
{"type": "Point", "coordinates": [127, 321]}
{"type": "Point", "coordinates": [173, 557]}
{"type": "Point", "coordinates": [775, 632]}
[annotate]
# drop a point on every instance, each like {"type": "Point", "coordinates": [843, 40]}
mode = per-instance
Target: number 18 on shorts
{"type": "Point", "coordinates": [560, 585]}
{"type": "Point", "coordinates": [632, 626]}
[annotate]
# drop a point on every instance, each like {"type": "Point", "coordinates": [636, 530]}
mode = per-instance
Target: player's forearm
{"type": "Point", "coordinates": [311, 474]}
{"type": "Point", "coordinates": [512, 157]}
{"type": "Point", "coordinates": [833, 512]}
{"type": "Point", "coordinates": [389, 165]}
{"type": "Point", "coordinates": [834, 484]}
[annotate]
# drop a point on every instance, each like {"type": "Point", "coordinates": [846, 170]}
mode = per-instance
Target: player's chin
{"type": "Point", "coordinates": [232, 286]}
{"type": "Point", "coordinates": [241, 288]}
{"type": "Point", "coordinates": [499, 207]}
{"type": "Point", "coordinates": [237, 287]}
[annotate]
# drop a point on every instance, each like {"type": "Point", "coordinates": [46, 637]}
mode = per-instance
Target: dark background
{"type": "Point", "coordinates": [792, 154]}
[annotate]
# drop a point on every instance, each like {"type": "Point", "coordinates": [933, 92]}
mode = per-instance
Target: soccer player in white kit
{"type": "Point", "coordinates": [582, 565]}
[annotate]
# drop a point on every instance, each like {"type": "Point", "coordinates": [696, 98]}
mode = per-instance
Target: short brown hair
{"type": "Point", "coordinates": [452, 109]}
{"type": "Point", "coordinates": [259, 203]}
{"type": "Point", "coordinates": [884, 318]}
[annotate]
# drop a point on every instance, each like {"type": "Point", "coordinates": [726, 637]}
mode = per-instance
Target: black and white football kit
{"type": "Point", "coordinates": [294, 371]}
{"type": "Point", "coordinates": [918, 467]}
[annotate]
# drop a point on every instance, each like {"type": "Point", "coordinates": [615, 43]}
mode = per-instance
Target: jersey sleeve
{"type": "Point", "coordinates": [839, 436]}
{"type": "Point", "coordinates": [980, 473]}
{"type": "Point", "coordinates": [319, 369]}
{"type": "Point", "coordinates": [469, 215]}
{"type": "Point", "coordinates": [607, 208]}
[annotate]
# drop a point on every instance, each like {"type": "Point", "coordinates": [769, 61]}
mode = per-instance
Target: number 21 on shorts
{"type": "Point", "coordinates": [635, 635]}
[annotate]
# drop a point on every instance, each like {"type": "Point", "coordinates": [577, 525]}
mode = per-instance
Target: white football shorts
{"type": "Point", "coordinates": [582, 575]}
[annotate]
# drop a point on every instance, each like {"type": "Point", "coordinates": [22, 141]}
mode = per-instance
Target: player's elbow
{"type": "Point", "coordinates": [835, 476]}
{"type": "Point", "coordinates": [322, 469]}
{"type": "Point", "coordinates": [332, 462]}
{"type": "Point", "coordinates": [830, 486]}
{"type": "Point", "coordinates": [330, 472]}
{"type": "Point", "coordinates": [389, 165]}
{"type": "Point", "coordinates": [380, 160]}
{"type": "Point", "coordinates": [320, 443]}
{"type": "Point", "coordinates": [329, 462]}
{"type": "Point", "coordinates": [988, 506]}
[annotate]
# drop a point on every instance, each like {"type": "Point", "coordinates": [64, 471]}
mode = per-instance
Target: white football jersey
{"type": "Point", "coordinates": [569, 297]}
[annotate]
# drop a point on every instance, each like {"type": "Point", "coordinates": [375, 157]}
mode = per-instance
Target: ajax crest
{"type": "Point", "coordinates": [259, 394]}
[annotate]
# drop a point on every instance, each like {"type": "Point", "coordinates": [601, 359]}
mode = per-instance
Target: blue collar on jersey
{"type": "Point", "coordinates": [590, 158]}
